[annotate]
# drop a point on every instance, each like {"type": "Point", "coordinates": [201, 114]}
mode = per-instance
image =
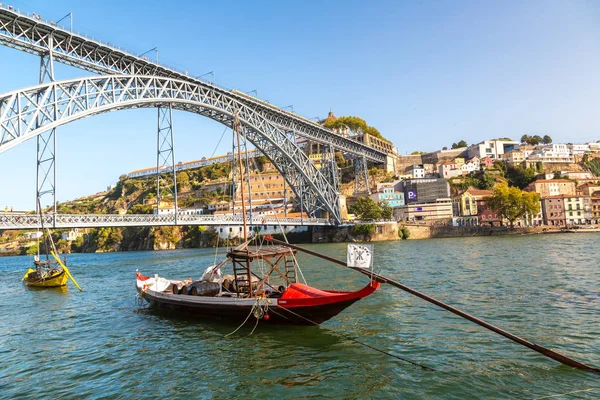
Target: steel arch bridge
{"type": "Point", "coordinates": [29, 112]}
{"type": "Point", "coordinates": [134, 81]}
{"type": "Point", "coordinates": [32, 35]}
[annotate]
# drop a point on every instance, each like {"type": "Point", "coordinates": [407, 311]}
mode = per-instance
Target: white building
{"type": "Point", "coordinates": [493, 149]}
{"type": "Point", "coordinates": [472, 165]}
{"type": "Point", "coordinates": [594, 147]}
{"type": "Point", "coordinates": [180, 211]}
{"type": "Point", "coordinates": [230, 232]}
{"type": "Point", "coordinates": [552, 153]}
{"type": "Point", "coordinates": [416, 171]}
{"type": "Point", "coordinates": [579, 149]}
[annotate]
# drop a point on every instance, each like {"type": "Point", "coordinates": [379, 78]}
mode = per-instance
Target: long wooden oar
{"type": "Point", "coordinates": [66, 270]}
{"type": "Point", "coordinates": [536, 347]}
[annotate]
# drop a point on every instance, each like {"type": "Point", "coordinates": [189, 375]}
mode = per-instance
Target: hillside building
{"type": "Point", "coordinates": [494, 149]}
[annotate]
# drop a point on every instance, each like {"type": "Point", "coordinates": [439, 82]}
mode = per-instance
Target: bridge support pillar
{"type": "Point", "coordinates": [361, 176]}
{"type": "Point", "coordinates": [330, 170]}
{"type": "Point", "coordinates": [45, 179]}
{"type": "Point", "coordinates": [165, 155]}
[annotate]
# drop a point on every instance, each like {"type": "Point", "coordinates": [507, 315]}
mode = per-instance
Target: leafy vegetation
{"type": "Point", "coordinates": [367, 208]}
{"type": "Point", "coordinates": [479, 179]}
{"type": "Point", "coordinates": [460, 144]}
{"type": "Point", "coordinates": [593, 164]}
{"type": "Point", "coordinates": [536, 139]}
{"type": "Point", "coordinates": [404, 233]}
{"type": "Point", "coordinates": [512, 203]}
{"type": "Point", "coordinates": [365, 230]}
{"type": "Point", "coordinates": [355, 124]}
{"type": "Point", "coordinates": [519, 176]}
{"type": "Point", "coordinates": [339, 159]}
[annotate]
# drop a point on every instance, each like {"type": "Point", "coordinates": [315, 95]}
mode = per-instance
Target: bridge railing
{"type": "Point", "coordinates": [32, 221]}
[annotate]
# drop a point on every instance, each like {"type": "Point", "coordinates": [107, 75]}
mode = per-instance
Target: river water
{"type": "Point", "coordinates": [101, 344]}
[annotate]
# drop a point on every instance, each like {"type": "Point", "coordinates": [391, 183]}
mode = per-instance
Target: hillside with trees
{"type": "Point", "coordinates": [356, 125]}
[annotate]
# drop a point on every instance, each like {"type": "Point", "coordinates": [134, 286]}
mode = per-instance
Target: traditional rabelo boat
{"type": "Point", "coordinates": [51, 272]}
{"type": "Point", "coordinates": [275, 295]}
{"type": "Point", "coordinates": [47, 273]}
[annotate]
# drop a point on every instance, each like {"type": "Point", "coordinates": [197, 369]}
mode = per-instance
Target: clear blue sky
{"type": "Point", "coordinates": [425, 73]}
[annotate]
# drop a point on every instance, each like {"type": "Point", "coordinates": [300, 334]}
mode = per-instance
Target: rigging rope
{"type": "Point", "coordinates": [258, 311]}
{"type": "Point", "coordinates": [277, 219]}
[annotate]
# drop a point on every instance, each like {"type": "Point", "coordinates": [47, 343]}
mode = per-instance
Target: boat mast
{"type": "Point", "coordinates": [236, 128]}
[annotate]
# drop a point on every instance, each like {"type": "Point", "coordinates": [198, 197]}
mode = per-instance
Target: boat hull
{"type": "Point", "coordinates": [59, 278]}
{"type": "Point", "coordinates": [308, 310]}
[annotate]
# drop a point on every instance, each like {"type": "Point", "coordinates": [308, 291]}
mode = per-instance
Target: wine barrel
{"type": "Point", "coordinates": [206, 289]}
{"type": "Point", "coordinates": [174, 288]}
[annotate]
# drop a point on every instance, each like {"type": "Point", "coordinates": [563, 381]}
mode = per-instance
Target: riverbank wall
{"type": "Point", "coordinates": [389, 231]}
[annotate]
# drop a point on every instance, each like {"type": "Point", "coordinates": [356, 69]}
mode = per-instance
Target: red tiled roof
{"type": "Point", "coordinates": [479, 192]}
{"type": "Point", "coordinates": [551, 180]}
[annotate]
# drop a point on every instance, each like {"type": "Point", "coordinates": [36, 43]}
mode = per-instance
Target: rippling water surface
{"type": "Point", "coordinates": [102, 344]}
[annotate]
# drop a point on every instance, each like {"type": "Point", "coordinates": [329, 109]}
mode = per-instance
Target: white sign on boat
{"type": "Point", "coordinates": [360, 255]}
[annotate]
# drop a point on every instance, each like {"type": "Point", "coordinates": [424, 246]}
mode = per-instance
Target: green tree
{"type": "Point", "coordinates": [416, 153]}
{"type": "Point", "coordinates": [537, 139]}
{"type": "Point", "coordinates": [547, 139]}
{"type": "Point", "coordinates": [108, 239]}
{"type": "Point", "coordinates": [460, 144]}
{"type": "Point", "coordinates": [386, 210]}
{"type": "Point", "coordinates": [512, 203]}
{"type": "Point", "coordinates": [525, 139]}
{"type": "Point", "coordinates": [140, 209]}
{"type": "Point", "coordinates": [339, 159]}
{"type": "Point", "coordinates": [403, 233]}
{"type": "Point", "coordinates": [366, 230]}
{"type": "Point", "coordinates": [539, 166]}
{"type": "Point", "coordinates": [183, 180]}
{"type": "Point", "coordinates": [77, 244]}
{"type": "Point", "coordinates": [519, 176]}
{"type": "Point", "coordinates": [32, 250]}
{"type": "Point", "coordinates": [487, 181]}
{"type": "Point", "coordinates": [355, 124]}
{"type": "Point", "coordinates": [366, 208]}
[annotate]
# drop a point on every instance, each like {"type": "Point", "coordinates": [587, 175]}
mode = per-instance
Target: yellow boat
{"type": "Point", "coordinates": [45, 276]}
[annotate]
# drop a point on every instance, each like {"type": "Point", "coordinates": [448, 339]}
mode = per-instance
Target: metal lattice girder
{"type": "Point", "coordinates": [38, 37]}
{"type": "Point", "coordinates": [28, 112]}
{"type": "Point", "coordinates": [361, 177]}
{"type": "Point", "coordinates": [45, 178]}
{"type": "Point", "coordinates": [329, 167]}
{"type": "Point", "coordinates": [165, 154]}
{"type": "Point", "coordinates": [33, 221]}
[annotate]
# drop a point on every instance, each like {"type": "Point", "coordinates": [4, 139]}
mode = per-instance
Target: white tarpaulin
{"type": "Point", "coordinates": [360, 255]}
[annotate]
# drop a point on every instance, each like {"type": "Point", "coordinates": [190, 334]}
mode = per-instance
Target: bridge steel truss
{"type": "Point", "coordinates": [28, 112]}
{"type": "Point", "coordinates": [38, 37]}
{"type": "Point", "coordinates": [266, 126]}
{"type": "Point", "coordinates": [16, 221]}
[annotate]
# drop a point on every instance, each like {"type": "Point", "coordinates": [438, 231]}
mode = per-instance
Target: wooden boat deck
{"type": "Point", "coordinates": [259, 253]}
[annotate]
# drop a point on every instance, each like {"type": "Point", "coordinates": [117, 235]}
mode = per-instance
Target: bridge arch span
{"type": "Point", "coordinates": [29, 112]}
